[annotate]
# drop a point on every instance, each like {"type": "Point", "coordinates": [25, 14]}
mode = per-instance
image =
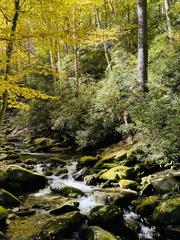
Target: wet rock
{"type": "Point", "coordinates": [22, 179]}
{"type": "Point", "coordinates": [81, 174]}
{"type": "Point", "coordinates": [162, 182]}
{"type": "Point", "coordinates": [60, 227]}
{"type": "Point", "coordinates": [98, 233]}
{"type": "Point", "coordinates": [168, 212]}
{"type": "Point", "coordinates": [26, 213]}
{"type": "Point", "coordinates": [117, 173]}
{"type": "Point", "coordinates": [66, 191]}
{"type": "Point", "coordinates": [65, 208]}
{"type": "Point", "coordinates": [126, 183]}
{"type": "Point", "coordinates": [8, 200]}
{"type": "Point", "coordinates": [43, 143]}
{"type": "Point", "coordinates": [3, 214]}
{"type": "Point", "coordinates": [115, 196]}
{"type": "Point", "coordinates": [88, 161]}
{"type": "Point", "coordinates": [91, 179]}
{"type": "Point", "coordinates": [146, 206]}
{"type": "Point", "coordinates": [105, 215]}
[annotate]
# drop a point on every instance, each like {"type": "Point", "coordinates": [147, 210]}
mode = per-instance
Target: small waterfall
{"type": "Point", "coordinates": [146, 233]}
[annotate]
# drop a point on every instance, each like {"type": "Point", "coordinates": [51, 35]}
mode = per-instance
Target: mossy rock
{"type": "Point", "coordinates": [117, 173]}
{"type": "Point", "coordinates": [43, 143]}
{"type": "Point", "coordinates": [88, 161]}
{"type": "Point", "coordinates": [105, 215]}
{"type": "Point", "coordinates": [168, 212]}
{"type": "Point", "coordinates": [60, 227]}
{"type": "Point", "coordinates": [58, 150]}
{"type": "Point", "coordinates": [70, 206]}
{"type": "Point", "coordinates": [3, 214]}
{"type": "Point", "coordinates": [126, 183]}
{"type": "Point", "coordinates": [146, 206]}
{"type": "Point", "coordinates": [8, 200]}
{"type": "Point", "coordinates": [22, 179]}
{"type": "Point", "coordinates": [115, 196]}
{"type": "Point", "coordinates": [66, 191]}
{"type": "Point", "coordinates": [98, 233]}
{"type": "Point", "coordinates": [162, 182]}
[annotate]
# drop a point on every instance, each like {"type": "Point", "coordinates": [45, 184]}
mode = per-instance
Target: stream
{"type": "Point", "coordinates": [44, 200]}
{"type": "Point", "coordinates": [86, 203]}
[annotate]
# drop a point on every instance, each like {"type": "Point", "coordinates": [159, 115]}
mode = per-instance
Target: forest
{"type": "Point", "coordinates": [89, 119]}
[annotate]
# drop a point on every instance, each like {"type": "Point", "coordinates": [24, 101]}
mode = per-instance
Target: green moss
{"type": "Point", "coordinates": [117, 173]}
{"type": "Point", "coordinates": [97, 233]}
{"type": "Point", "coordinates": [168, 212]}
{"type": "Point", "coordinates": [146, 206]}
{"type": "Point", "coordinates": [126, 183]}
{"type": "Point", "coordinates": [88, 160]}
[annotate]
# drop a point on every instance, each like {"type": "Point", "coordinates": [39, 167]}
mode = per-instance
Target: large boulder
{"type": "Point", "coordinates": [8, 200]}
{"type": "Point", "coordinates": [161, 182]}
{"type": "Point", "coordinates": [117, 173]}
{"type": "Point", "coordinates": [21, 179]}
{"type": "Point", "coordinates": [116, 196]}
{"type": "Point", "coordinates": [65, 190]}
{"type": "Point", "coordinates": [43, 143]}
{"type": "Point", "coordinates": [105, 215]}
{"type": "Point", "coordinates": [3, 214]}
{"type": "Point", "coordinates": [146, 206]}
{"type": "Point", "coordinates": [168, 212]}
{"type": "Point", "coordinates": [97, 233]}
{"type": "Point", "coordinates": [60, 227]}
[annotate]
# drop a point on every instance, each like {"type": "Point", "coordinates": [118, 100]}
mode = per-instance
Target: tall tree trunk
{"type": "Point", "coordinates": [9, 52]}
{"type": "Point", "coordinates": [168, 20]}
{"type": "Point", "coordinates": [104, 43]}
{"type": "Point", "coordinates": [142, 45]}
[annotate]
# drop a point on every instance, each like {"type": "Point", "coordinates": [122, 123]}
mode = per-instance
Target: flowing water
{"type": "Point", "coordinates": [89, 201]}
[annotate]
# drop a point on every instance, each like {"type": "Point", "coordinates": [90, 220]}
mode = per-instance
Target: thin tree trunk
{"type": "Point", "coordinates": [168, 20]}
{"type": "Point", "coordinates": [104, 43]}
{"type": "Point", "coordinates": [9, 52]}
{"type": "Point", "coordinates": [142, 45]}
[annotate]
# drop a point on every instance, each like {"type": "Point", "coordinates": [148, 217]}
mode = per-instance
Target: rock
{"type": "Point", "coordinates": [146, 206]}
{"type": "Point", "coordinates": [56, 161]}
{"type": "Point", "coordinates": [43, 143]}
{"type": "Point", "coordinates": [88, 161]}
{"type": "Point", "coordinates": [22, 179]}
{"type": "Point", "coordinates": [105, 215]}
{"type": "Point", "coordinates": [81, 173]}
{"type": "Point", "coordinates": [65, 208]}
{"type": "Point", "coordinates": [8, 200]}
{"type": "Point", "coordinates": [162, 182]}
{"type": "Point", "coordinates": [25, 213]}
{"type": "Point", "coordinates": [116, 196]}
{"type": "Point", "coordinates": [3, 156]}
{"type": "Point", "coordinates": [60, 227]}
{"type": "Point", "coordinates": [91, 179]}
{"type": "Point", "coordinates": [168, 212]}
{"type": "Point", "coordinates": [3, 214]}
{"type": "Point", "coordinates": [126, 183]}
{"type": "Point", "coordinates": [117, 173]}
{"type": "Point", "coordinates": [98, 233]}
{"type": "Point", "coordinates": [65, 190]}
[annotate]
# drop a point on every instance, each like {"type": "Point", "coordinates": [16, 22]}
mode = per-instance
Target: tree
{"type": "Point", "coordinates": [142, 45]}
